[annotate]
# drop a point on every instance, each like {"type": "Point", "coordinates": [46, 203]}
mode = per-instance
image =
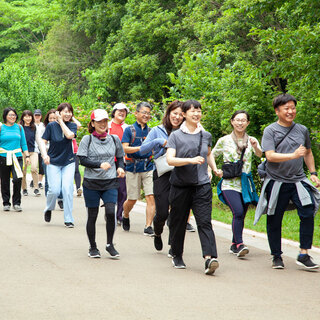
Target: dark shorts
{"type": "Point", "coordinates": [92, 197]}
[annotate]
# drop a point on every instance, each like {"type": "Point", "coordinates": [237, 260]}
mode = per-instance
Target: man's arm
{"type": "Point", "coordinates": [128, 149]}
{"type": "Point", "coordinates": [273, 156]}
{"type": "Point", "coordinates": [309, 161]}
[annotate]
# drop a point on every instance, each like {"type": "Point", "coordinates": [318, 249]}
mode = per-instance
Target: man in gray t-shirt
{"type": "Point", "coordinates": [286, 146]}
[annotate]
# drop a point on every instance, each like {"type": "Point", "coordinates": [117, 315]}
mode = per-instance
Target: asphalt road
{"type": "Point", "coordinates": [45, 273]}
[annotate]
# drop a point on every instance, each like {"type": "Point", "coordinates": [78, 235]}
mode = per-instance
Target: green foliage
{"type": "Point", "coordinates": [21, 90]}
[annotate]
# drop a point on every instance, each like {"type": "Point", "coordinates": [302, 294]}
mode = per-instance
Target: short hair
{"type": "Point", "coordinates": [28, 113]}
{"type": "Point", "coordinates": [5, 113]}
{"type": "Point", "coordinates": [46, 118]}
{"type": "Point", "coordinates": [143, 104]}
{"type": "Point", "coordinates": [238, 112]}
{"type": "Point", "coordinates": [282, 99]}
{"type": "Point", "coordinates": [64, 105]}
{"type": "Point", "coordinates": [166, 118]}
{"type": "Point", "coordinates": [189, 104]}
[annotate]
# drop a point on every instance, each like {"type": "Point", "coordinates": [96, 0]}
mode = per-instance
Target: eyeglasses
{"type": "Point", "coordinates": [12, 115]}
{"type": "Point", "coordinates": [145, 113]}
{"type": "Point", "coordinates": [240, 120]}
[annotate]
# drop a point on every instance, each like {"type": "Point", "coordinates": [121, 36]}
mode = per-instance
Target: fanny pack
{"type": "Point", "coordinates": [233, 169]}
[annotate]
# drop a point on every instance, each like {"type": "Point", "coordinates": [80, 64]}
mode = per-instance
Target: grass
{"type": "Point", "coordinates": [290, 223]}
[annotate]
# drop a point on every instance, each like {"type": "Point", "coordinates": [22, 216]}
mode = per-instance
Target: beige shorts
{"type": "Point", "coordinates": [134, 181]}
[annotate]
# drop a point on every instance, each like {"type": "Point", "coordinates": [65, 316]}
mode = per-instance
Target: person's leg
{"type": "Point", "coordinates": [41, 169]}
{"type": "Point", "coordinates": [161, 189]}
{"type": "Point", "coordinates": [91, 226]}
{"type": "Point", "coordinates": [24, 172]}
{"type": "Point", "coordinates": [122, 196]}
{"type": "Point", "coordinates": [133, 184]}
{"type": "Point", "coordinates": [54, 176]}
{"type": "Point", "coordinates": [16, 194]}
{"type": "Point", "coordinates": [147, 182]}
{"type": "Point", "coordinates": [34, 158]}
{"type": "Point", "coordinates": [180, 201]}
{"type": "Point", "coordinates": [202, 209]}
{"type": "Point", "coordinates": [274, 222]}
{"type": "Point", "coordinates": [238, 209]}
{"type": "Point", "coordinates": [44, 166]}
{"type": "Point", "coordinates": [67, 191]}
{"type": "Point", "coordinates": [5, 181]}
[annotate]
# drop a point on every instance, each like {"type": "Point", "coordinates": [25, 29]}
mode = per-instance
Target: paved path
{"type": "Point", "coordinates": [46, 274]}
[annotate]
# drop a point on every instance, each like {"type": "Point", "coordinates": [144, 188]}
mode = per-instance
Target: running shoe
{"type": "Point", "coordinates": [112, 251]}
{"type": "Point", "coordinates": [210, 266]}
{"type": "Point", "coordinates": [94, 253]}
{"type": "Point", "coordinates": [305, 261]}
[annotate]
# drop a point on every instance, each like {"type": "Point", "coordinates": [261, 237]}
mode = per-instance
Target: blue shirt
{"type": "Point", "coordinates": [11, 138]}
{"type": "Point", "coordinates": [60, 149]}
{"type": "Point", "coordinates": [30, 137]}
{"type": "Point", "coordinates": [139, 163]}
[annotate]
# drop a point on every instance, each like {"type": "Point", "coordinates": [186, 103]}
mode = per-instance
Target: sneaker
{"type": "Point", "coordinates": [69, 225]}
{"type": "Point", "coordinates": [158, 243]}
{"type": "Point", "coordinates": [31, 184]}
{"type": "Point", "coordinates": [190, 227]}
{"type": "Point", "coordinates": [94, 253]}
{"type": "Point", "coordinates": [112, 251]}
{"type": "Point", "coordinates": [305, 260]}
{"type": "Point", "coordinates": [233, 249]}
{"type": "Point", "coordinates": [60, 204]}
{"type": "Point", "coordinates": [37, 192]}
{"type": "Point", "coordinates": [6, 208]}
{"type": "Point", "coordinates": [148, 231]}
{"type": "Point", "coordinates": [277, 263]}
{"type": "Point", "coordinates": [40, 185]}
{"type": "Point", "coordinates": [47, 216]}
{"type": "Point", "coordinates": [170, 255]}
{"type": "Point", "coordinates": [25, 192]}
{"type": "Point", "coordinates": [210, 266]}
{"type": "Point", "coordinates": [79, 192]}
{"type": "Point", "coordinates": [17, 208]}
{"type": "Point", "coordinates": [178, 263]}
{"type": "Point", "coordinates": [126, 224]}
{"type": "Point", "coordinates": [242, 250]}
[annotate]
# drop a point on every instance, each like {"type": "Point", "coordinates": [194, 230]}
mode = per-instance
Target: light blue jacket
{"type": "Point", "coordinates": [154, 141]}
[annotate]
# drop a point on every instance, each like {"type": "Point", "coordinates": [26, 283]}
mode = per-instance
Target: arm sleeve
{"type": "Point", "coordinates": [267, 141]}
{"type": "Point", "coordinates": [119, 163]}
{"type": "Point", "coordinates": [126, 138]}
{"type": "Point", "coordinates": [84, 161]}
{"type": "Point", "coordinates": [150, 142]}
{"type": "Point", "coordinates": [171, 142]}
{"type": "Point", "coordinates": [83, 146]}
{"type": "Point", "coordinates": [119, 148]}
{"type": "Point", "coordinates": [47, 133]}
{"type": "Point", "coordinates": [23, 141]}
{"type": "Point", "coordinates": [308, 141]}
{"type": "Point", "coordinates": [218, 148]}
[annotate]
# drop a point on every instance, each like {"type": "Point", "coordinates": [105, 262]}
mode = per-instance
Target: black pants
{"type": "Point", "coordinates": [199, 199]}
{"type": "Point", "coordinates": [161, 190]}
{"type": "Point", "coordinates": [288, 191]}
{"type": "Point", "coordinates": [5, 173]}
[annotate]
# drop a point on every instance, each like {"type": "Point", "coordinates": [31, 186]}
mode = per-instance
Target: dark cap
{"type": "Point", "coordinates": [37, 111]}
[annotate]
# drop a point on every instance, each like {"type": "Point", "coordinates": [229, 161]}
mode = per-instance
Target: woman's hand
{"type": "Point", "coordinates": [165, 143]}
{"type": "Point", "coordinates": [46, 160]}
{"type": "Point", "coordinates": [218, 173]}
{"type": "Point", "coordinates": [253, 143]}
{"type": "Point", "coordinates": [28, 160]}
{"type": "Point", "coordinates": [58, 116]}
{"type": "Point", "coordinates": [105, 166]}
{"type": "Point", "coordinates": [121, 173]}
{"type": "Point", "coordinates": [197, 160]}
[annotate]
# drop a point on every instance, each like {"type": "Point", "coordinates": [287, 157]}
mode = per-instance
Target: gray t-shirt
{"type": "Point", "coordinates": [290, 171]}
{"type": "Point", "coordinates": [186, 146]}
{"type": "Point", "coordinates": [102, 151]}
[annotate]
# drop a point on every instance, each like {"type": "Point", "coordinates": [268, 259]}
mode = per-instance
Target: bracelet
{"type": "Point", "coordinates": [314, 173]}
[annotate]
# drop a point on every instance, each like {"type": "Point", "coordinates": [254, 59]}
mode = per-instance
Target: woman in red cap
{"type": "Point", "coordinates": [102, 155]}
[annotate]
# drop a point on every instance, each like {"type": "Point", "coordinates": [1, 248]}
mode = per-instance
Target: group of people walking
{"type": "Point", "coordinates": [173, 164]}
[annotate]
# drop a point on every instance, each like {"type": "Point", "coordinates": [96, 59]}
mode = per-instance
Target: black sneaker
{"type": "Point", "coordinates": [126, 224]}
{"type": "Point", "coordinates": [242, 250]}
{"type": "Point", "coordinates": [94, 253]}
{"type": "Point", "coordinates": [60, 204]}
{"type": "Point", "coordinates": [210, 266]}
{"type": "Point", "coordinates": [47, 216]}
{"type": "Point", "coordinates": [40, 185]}
{"type": "Point", "coordinates": [190, 227]}
{"type": "Point", "coordinates": [178, 263]}
{"type": "Point", "coordinates": [37, 192]}
{"type": "Point", "coordinates": [306, 261]}
{"type": "Point", "coordinates": [25, 192]}
{"type": "Point", "coordinates": [233, 249]}
{"type": "Point", "coordinates": [148, 231]}
{"type": "Point", "coordinates": [170, 255]}
{"type": "Point", "coordinates": [31, 184]}
{"type": "Point", "coordinates": [277, 263]}
{"type": "Point", "coordinates": [158, 243]}
{"type": "Point", "coordinates": [69, 225]}
{"type": "Point", "coordinates": [112, 251]}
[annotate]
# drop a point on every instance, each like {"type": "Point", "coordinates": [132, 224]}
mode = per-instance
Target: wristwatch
{"type": "Point", "coordinates": [314, 173]}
